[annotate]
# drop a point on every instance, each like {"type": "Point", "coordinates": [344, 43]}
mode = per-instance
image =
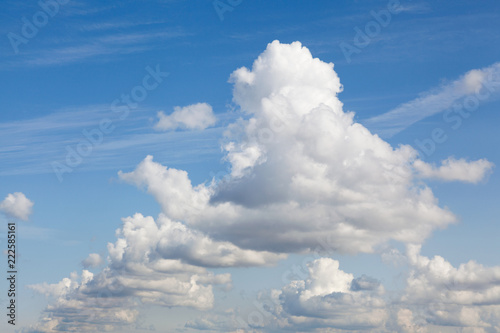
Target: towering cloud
{"type": "Point", "coordinates": [302, 171]}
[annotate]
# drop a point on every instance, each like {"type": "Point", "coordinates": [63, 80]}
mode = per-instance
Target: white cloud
{"type": "Point", "coordinates": [168, 240]}
{"type": "Point", "coordinates": [17, 205]}
{"type": "Point", "coordinates": [158, 262]}
{"type": "Point", "coordinates": [93, 260]}
{"type": "Point", "coordinates": [331, 298]}
{"type": "Point", "coordinates": [480, 84]}
{"type": "Point", "coordinates": [196, 116]}
{"type": "Point", "coordinates": [302, 171]}
{"type": "Point", "coordinates": [455, 170]}
{"type": "Point", "coordinates": [77, 308]}
{"type": "Point", "coordinates": [440, 295]}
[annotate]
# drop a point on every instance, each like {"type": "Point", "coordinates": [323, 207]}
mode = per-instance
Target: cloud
{"type": "Point", "coordinates": [326, 300]}
{"type": "Point", "coordinates": [302, 171]}
{"type": "Point", "coordinates": [474, 86]}
{"type": "Point", "coordinates": [331, 298]}
{"type": "Point", "coordinates": [93, 260]}
{"type": "Point", "coordinates": [17, 205]}
{"type": "Point", "coordinates": [438, 298]}
{"type": "Point", "coordinates": [196, 116]}
{"type": "Point", "coordinates": [77, 308]}
{"type": "Point", "coordinates": [438, 294]}
{"type": "Point", "coordinates": [158, 262]}
{"type": "Point", "coordinates": [455, 170]}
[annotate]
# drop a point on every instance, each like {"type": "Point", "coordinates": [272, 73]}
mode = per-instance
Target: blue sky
{"type": "Point", "coordinates": [280, 154]}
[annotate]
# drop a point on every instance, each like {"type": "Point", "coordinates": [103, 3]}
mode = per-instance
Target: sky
{"type": "Point", "coordinates": [251, 166]}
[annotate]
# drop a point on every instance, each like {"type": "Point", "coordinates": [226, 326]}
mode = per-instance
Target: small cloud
{"type": "Point", "coordinates": [196, 116]}
{"type": "Point", "coordinates": [455, 170]}
{"type": "Point", "coordinates": [93, 260]}
{"type": "Point", "coordinates": [17, 205]}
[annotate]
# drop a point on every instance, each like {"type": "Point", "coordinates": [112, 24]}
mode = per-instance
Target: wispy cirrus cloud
{"type": "Point", "coordinates": [88, 48]}
{"type": "Point", "coordinates": [477, 85]}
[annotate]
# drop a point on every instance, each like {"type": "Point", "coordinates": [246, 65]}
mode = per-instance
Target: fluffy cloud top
{"type": "Point", "coordinates": [455, 170]}
{"type": "Point", "coordinates": [196, 116]}
{"type": "Point", "coordinates": [17, 205]}
{"type": "Point", "coordinates": [331, 298]}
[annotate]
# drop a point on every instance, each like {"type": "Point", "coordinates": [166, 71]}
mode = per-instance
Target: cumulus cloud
{"type": "Point", "coordinates": [160, 262]}
{"type": "Point", "coordinates": [331, 298]}
{"type": "Point", "coordinates": [302, 170]}
{"type": "Point", "coordinates": [196, 116]}
{"type": "Point", "coordinates": [455, 170]}
{"type": "Point", "coordinates": [17, 205]}
{"type": "Point", "coordinates": [473, 87]}
{"type": "Point", "coordinates": [326, 300]}
{"type": "Point", "coordinates": [93, 260]}
{"type": "Point", "coordinates": [440, 295]}
{"type": "Point", "coordinates": [75, 307]}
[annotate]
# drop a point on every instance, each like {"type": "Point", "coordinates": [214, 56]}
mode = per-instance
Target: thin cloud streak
{"type": "Point", "coordinates": [93, 47]}
{"type": "Point", "coordinates": [477, 82]}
